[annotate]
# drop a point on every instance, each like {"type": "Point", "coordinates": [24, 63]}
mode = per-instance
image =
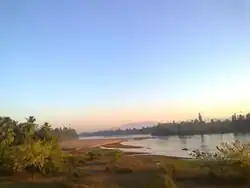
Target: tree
{"type": "Point", "coordinates": [26, 148]}
{"type": "Point", "coordinates": [234, 118]}
{"type": "Point", "coordinates": [30, 119]}
{"type": "Point", "coordinates": [241, 117]}
{"type": "Point", "coordinates": [196, 121]}
{"type": "Point", "coordinates": [200, 118]}
{"type": "Point", "coordinates": [248, 116]}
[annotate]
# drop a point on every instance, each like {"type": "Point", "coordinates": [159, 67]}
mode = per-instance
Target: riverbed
{"type": "Point", "coordinates": [178, 146]}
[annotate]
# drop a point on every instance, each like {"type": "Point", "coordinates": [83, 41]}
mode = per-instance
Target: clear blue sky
{"type": "Point", "coordinates": [101, 63]}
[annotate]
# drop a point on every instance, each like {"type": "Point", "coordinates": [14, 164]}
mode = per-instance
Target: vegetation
{"type": "Point", "coordinates": [140, 171]}
{"type": "Point", "coordinates": [236, 124]}
{"type": "Point", "coordinates": [231, 161]}
{"type": "Point", "coordinates": [41, 132]}
{"type": "Point", "coordinates": [33, 149]}
{"type": "Point", "coordinates": [30, 156]}
{"type": "Point", "coordinates": [93, 155]}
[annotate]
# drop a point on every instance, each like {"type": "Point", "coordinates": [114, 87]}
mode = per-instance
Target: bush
{"type": "Point", "coordinates": [115, 156]}
{"type": "Point", "coordinates": [6, 150]}
{"type": "Point", "coordinates": [72, 164]}
{"type": "Point", "coordinates": [23, 149]}
{"type": "Point", "coordinates": [230, 160]}
{"type": "Point", "coordinates": [37, 156]}
{"type": "Point", "coordinates": [93, 155]}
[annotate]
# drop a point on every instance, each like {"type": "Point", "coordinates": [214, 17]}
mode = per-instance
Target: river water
{"type": "Point", "coordinates": [174, 145]}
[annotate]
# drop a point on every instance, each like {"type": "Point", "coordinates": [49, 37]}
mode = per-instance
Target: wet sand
{"type": "Point", "coordinates": [121, 146]}
{"type": "Point", "coordinates": [78, 145]}
{"type": "Point", "coordinates": [91, 143]}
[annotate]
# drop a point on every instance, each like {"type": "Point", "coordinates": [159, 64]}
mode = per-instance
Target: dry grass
{"type": "Point", "coordinates": [128, 172]}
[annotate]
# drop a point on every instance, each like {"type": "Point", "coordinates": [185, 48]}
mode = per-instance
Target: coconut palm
{"type": "Point", "coordinates": [30, 119]}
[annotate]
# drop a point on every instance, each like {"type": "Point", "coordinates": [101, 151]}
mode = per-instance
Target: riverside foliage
{"type": "Point", "coordinates": [235, 124]}
{"type": "Point", "coordinates": [32, 148]}
{"type": "Point", "coordinates": [231, 160]}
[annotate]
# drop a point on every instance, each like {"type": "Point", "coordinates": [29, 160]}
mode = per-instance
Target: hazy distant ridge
{"type": "Point", "coordinates": [138, 125]}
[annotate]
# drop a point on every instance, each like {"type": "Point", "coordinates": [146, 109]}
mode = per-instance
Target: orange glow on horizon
{"type": "Point", "coordinates": [103, 118]}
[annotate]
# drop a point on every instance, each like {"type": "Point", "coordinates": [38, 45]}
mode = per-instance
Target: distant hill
{"type": "Point", "coordinates": [138, 125]}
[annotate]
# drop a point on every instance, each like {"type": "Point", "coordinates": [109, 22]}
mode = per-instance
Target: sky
{"type": "Point", "coordinates": [99, 64]}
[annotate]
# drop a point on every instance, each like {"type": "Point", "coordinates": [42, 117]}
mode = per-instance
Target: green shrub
{"type": "Point", "coordinates": [93, 155]}
{"type": "Point", "coordinates": [37, 156]}
{"type": "Point", "coordinates": [22, 149]}
{"type": "Point", "coordinates": [6, 150]}
{"type": "Point", "coordinates": [115, 156]}
{"type": "Point", "coordinates": [72, 164]}
{"type": "Point", "coordinates": [230, 160]}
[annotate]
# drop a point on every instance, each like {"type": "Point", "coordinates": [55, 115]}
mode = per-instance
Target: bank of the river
{"type": "Point", "coordinates": [79, 144]}
{"type": "Point", "coordinates": [172, 146]}
{"type": "Point", "coordinates": [178, 146]}
{"type": "Point", "coordinates": [119, 145]}
{"type": "Point", "coordinates": [127, 171]}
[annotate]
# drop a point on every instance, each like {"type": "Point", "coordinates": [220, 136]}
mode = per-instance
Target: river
{"type": "Point", "coordinates": [174, 145]}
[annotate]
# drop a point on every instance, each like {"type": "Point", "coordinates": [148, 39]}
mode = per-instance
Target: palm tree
{"type": "Point", "coordinates": [45, 132]}
{"type": "Point", "coordinates": [200, 118]}
{"type": "Point", "coordinates": [30, 119]}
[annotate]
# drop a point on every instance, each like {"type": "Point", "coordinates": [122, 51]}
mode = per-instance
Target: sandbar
{"type": "Point", "coordinates": [88, 143]}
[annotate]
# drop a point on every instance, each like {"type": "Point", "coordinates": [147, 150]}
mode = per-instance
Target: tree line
{"type": "Point", "coordinates": [235, 124]}
{"type": "Point", "coordinates": [40, 131]}
{"type": "Point", "coordinates": [29, 147]}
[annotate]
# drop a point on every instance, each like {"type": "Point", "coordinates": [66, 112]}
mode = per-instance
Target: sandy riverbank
{"type": "Point", "coordinates": [88, 143]}
{"type": "Point", "coordinates": [121, 146]}
{"type": "Point", "coordinates": [78, 145]}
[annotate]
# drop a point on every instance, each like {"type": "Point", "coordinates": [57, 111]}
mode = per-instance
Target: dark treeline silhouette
{"type": "Point", "coordinates": [44, 131]}
{"type": "Point", "coordinates": [118, 132]}
{"type": "Point", "coordinates": [236, 124]}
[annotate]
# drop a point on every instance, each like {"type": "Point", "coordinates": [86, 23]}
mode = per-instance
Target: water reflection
{"type": "Point", "coordinates": [242, 137]}
{"type": "Point", "coordinates": [203, 145]}
{"type": "Point", "coordinates": [173, 145]}
{"type": "Point", "coordinates": [183, 140]}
